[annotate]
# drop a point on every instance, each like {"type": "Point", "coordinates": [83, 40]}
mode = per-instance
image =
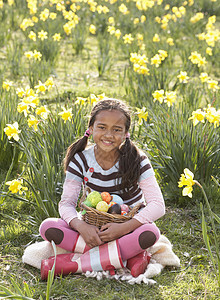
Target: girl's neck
{"type": "Point", "coordinates": [105, 159]}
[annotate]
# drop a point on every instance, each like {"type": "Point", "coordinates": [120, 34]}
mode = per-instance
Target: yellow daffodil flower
{"type": "Point", "coordinates": [183, 77]}
{"type": "Point", "coordinates": [32, 121]}
{"type": "Point", "coordinates": [66, 114]}
{"type": "Point", "coordinates": [213, 85]}
{"type": "Point", "coordinates": [37, 55]}
{"type": "Point", "coordinates": [41, 87]}
{"type": "Point", "coordinates": [142, 114]}
{"type": "Point", "coordinates": [6, 85]}
{"type": "Point", "coordinates": [156, 38]}
{"type": "Point", "coordinates": [56, 37]}
{"type": "Point", "coordinates": [80, 100]}
{"type": "Point", "coordinates": [186, 180]}
{"type": "Point", "coordinates": [158, 95]}
{"type": "Point", "coordinates": [170, 42]}
{"type": "Point", "coordinates": [16, 186]}
{"type": "Point", "coordinates": [170, 98]}
{"type": "Point", "coordinates": [32, 36]}
{"type": "Point", "coordinates": [128, 39]}
{"type": "Point", "coordinates": [213, 115]}
{"type": "Point", "coordinates": [156, 60]}
{"type": "Point", "coordinates": [204, 77]}
{"type": "Point", "coordinates": [42, 35]}
{"type": "Point", "coordinates": [12, 131]}
{"type": "Point", "coordinates": [49, 83]}
{"type": "Point", "coordinates": [198, 116]}
{"type": "Point", "coordinates": [117, 33]}
{"type": "Point", "coordinates": [43, 112]}
{"type": "Point", "coordinates": [23, 108]}
{"type": "Point", "coordinates": [92, 29]}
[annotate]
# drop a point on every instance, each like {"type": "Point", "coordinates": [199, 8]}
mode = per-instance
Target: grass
{"type": "Point", "coordinates": [194, 280]}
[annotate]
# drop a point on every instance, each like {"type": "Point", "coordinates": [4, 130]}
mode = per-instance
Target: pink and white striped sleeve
{"type": "Point", "coordinates": [69, 198]}
{"type": "Point", "coordinates": [155, 207]}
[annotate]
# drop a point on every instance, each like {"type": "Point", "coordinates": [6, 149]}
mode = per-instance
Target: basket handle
{"type": "Point", "coordinates": [134, 210]}
{"type": "Point", "coordinates": [86, 191]}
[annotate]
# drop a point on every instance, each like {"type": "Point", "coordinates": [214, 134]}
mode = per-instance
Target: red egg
{"type": "Point", "coordinates": [106, 197]}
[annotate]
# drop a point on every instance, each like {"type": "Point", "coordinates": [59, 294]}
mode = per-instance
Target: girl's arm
{"type": "Point", "coordinates": [69, 198]}
{"type": "Point", "coordinates": [155, 207]}
{"type": "Point", "coordinates": [67, 210]}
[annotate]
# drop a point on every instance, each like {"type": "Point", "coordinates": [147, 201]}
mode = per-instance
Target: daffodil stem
{"type": "Point", "coordinates": [213, 225]}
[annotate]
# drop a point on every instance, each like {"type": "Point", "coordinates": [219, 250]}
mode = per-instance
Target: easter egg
{"type": "Point", "coordinates": [111, 203]}
{"type": "Point", "coordinates": [94, 198]}
{"type": "Point", "coordinates": [117, 199]}
{"type": "Point", "coordinates": [123, 213]}
{"type": "Point", "coordinates": [106, 197]}
{"type": "Point", "coordinates": [102, 206]}
{"type": "Point", "coordinates": [88, 203]}
{"type": "Point", "coordinates": [115, 209]}
{"type": "Point", "coordinates": [124, 207]}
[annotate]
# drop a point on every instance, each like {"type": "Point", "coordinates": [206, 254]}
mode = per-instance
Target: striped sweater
{"type": "Point", "coordinates": [84, 168]}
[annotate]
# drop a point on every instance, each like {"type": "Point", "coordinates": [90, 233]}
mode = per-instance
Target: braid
{"type": "Point", "coordinates": [129, 164]}
{"type": "Point", "coordinates": [74, 148]}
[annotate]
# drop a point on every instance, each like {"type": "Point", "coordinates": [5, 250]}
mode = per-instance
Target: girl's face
{"type": "Point", "coordinates": [109, 130]}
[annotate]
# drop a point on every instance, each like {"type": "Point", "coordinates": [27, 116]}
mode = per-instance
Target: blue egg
{"type": "Point", "coordinates": [117, 199]}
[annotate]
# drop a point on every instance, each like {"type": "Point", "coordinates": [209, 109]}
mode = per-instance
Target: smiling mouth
{"type": "Point", "coordinates": [107, 142]}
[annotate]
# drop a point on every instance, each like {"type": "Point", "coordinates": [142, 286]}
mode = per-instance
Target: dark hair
{"type": "Point", "coordinates": [129, 161]}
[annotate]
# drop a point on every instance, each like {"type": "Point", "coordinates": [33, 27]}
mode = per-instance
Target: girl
{"type": "Point", "coordinates": [115, 165]}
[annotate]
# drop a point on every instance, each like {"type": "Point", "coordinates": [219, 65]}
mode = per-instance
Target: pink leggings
{"type": "Point", "coordinates": [130, 244]}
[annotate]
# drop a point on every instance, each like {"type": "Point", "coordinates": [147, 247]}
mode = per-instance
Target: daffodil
{"type": "Point", "coordinates": [43, 112]}
{"type": "Point", "coordinates": [66, 114]}
{"type": "Point", "coordinates": [32, 121]}
{"type": "Point", "coordinates": [117, 33]}
{"type": "Point", "coordinates": [186, 180]}
{"type": "Point", "coordinates": [204, 77]}
{"type": "Point", "coordinates": [52, 16]}
{"type": "Point", "coordinates": [56, 37]}
{"type": "Point", "coordinates": [93, 99]}
{"type": "Point", "coordinates": [6, 85]}
{"type": "Point", "coordinates": [12, 131]}
{"type": "Point", "coordinates": [28, 54]}
{"type": "Point", "coordinates": [123, 9]}
{"type": "Point", "coordinates": [16, 186]}
{"type": "Point", "coordinates": [80, 100]}
{"type": "Point", "coordinates": [183, 77]}
{"type": "Point", "coordinates": [23, 108]}
{"type": "Point", "coordinates": [37, 55]}
{"type": "Point", "coordinates": [142, 114]}
{"type": "Point", "coordinates": [213, 115]}
{"type": "Point", "coordinates": [92, 29]}
{"type": "Point", "coordinates": [158, 95]}
{"type": "Point", "coordinates": [213, 85]}
{"type": "Point", "coordinates": [170, 98]}
{"type": "Point", "coordinates": [41, 87]}
{"type": "Point", "coordinates": [42, 35]}
{"type": "Point", "coordinates": [163, 54]}
{"type": "Point", "coordinates": [49, 83]}
{"type": "Point", "coordinates": [32, 36]}
{"type": "Point", "coordinates": [156, 60]}
{"type": "Point", "coordinates": [101, 96]}
{"type": "Point", "coordinates": [198, 116]}
{"type": "Point", "coordinates": [170, 42]}
{"type": "Point", "coordinates": [156, 38]}
{"type": "Point", "coordinates": [128, 39]}
{"type": "Point", "coordinates": [20, 92]}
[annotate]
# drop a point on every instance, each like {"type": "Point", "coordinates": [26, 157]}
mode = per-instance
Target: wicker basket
{"type": "Point", "coordinates": [99, 218]}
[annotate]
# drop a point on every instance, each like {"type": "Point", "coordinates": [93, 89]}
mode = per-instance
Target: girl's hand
{"type": "Point", "coordinates": [88, 232]}
{"type": "Point", "coordinates": [111, 231]}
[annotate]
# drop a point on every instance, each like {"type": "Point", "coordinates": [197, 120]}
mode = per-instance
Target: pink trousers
{"type": "Point", "coordinates": [130, 245]}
